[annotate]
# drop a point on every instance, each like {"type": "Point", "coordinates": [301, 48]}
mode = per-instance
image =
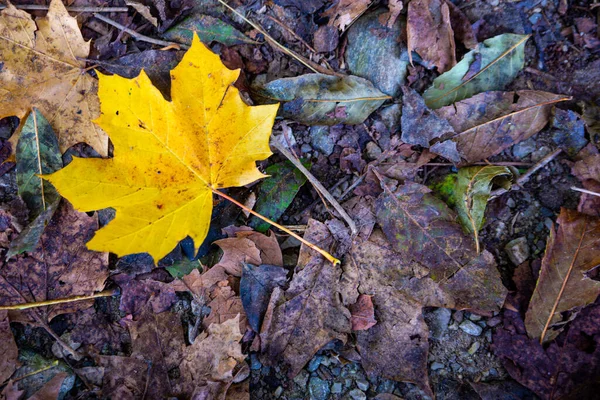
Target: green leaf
{"type": "Point", "coordinates": [318, 99]}
{"type": "Point", "coordinates": [209, 29]}
{"type": "Point", "coordinates": [473, 188]}
{"type": "Point", "coordinates": [183, 267]}
{"type": "Point", "coordinates": [30, 236]}
{"type": "Point", "coordinates": [276, 193]}
{"type": "Point", "coordinates": [492, 66]}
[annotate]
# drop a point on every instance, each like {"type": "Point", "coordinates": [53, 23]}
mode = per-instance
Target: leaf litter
{"type": "Point", "coordinates": [419, 179]}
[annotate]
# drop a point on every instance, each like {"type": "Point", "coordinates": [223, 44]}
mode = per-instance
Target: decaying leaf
{"type": "Point", "coordinates": [9, 361]}
{"type": "Point", "coordinates": [492, 66]}
{"type": "Point", "coordinates": [208, 29]}
{"type": "Point", "coordinates": [344, 12]}
{"type": "Point", "coordinates": [248, 247]}
{"type": "Point", "coordinates": [318, 99]}
{"type": "Point", "coordinates": [587, 170]}
{"type": "Point", "coordinates": [473, 187]}
{"type": "Point", "coordinates": [43, 68]}
{"type": "Point", "coordinates": [309, 314]}
{"type": "Point", "coordinates": [395, 8]}
{"type": "Point", "coordinates": [256, 287]}
{"type": "Point", "coordinates": [167, 164]}
{"type": "Point", "coordinates": [430, 34]}
{"type": "Point", "coordinates": [363, 313]}
{"type": "Point", "coordinates": [51, 389]}
{"type": "Point", "coordinates": [571, 252]}
{"type": "Point", "coordinates": [490, 122]}
{"type": "Point", "coordinates": [277, 192]}
{"type": "Point", "coordinates": [60, 266]}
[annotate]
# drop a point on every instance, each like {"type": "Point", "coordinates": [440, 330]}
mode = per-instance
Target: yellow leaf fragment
{"type": "Point", "coordinates": [168, 156]}
{"type": "Point", "coordinates": [43, 68]}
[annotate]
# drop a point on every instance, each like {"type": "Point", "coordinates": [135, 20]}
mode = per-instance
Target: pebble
{"type": "Point", "coordinates": [474, 347]}
{"type": "Point", "coordinates": [524, 148]}
{"type": "Point", "coordinates": [470, 328]}
{"type": "Point", "coordinates": [474, 317]}
{"type": "Point", "coordinates": [278, 391]}
{"type": "Point", "coordinates": [436, 365]}
{"type": "Point", "coordinates": [305, 148]}
{"type": "Point", "coordinates": [458, 315]}
{"type": "Point", "coordinates": [511, 203]}
{"type": "Point", "coordinates": [488, 336]}
{"type": "Point", "coordinates": [320, 140]}
{"type": "Point", "coordinates": [387, 386]}
{"type": "Point", "coordinates": [313, 365]}
{"type": "Point", "coordinates": [517, 250]}
{"type": "Point", "coordinates": [362, 384]}
{"type": "Point", "coordinates": [357, 394]}
{"type": "Point", "coordinates": [336, 387]}
{"type": "Point", "coordinates": [373, 151]}
{"type": "Point", "coordinates": [318, 389]}
{"type": "Point", "coordinates": [301, 379]}
{"type": "Point", "coordinates": [540, 153]}
{"type": "Point", "coordinates": [440, 318]}
{"type": "Point", "coordinates": [254, 362]}
{"type": "Point", "coordinates": [492, 322]}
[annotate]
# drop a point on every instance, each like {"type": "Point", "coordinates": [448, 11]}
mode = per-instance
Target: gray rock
{"type": "Point", "coordinates": [254, 362]}
{"type": "Point", "coordinates": [524, 148]}
{"type": "Point", "coordinates": [474, 317]}
{"type": "Point", "coordinates": [511, 203]}
{"type": "Point", "coordinates": [301, 379]}
{"type": "Point", "coordinates": [318, 389]}
{"type": "Point", "coordinates": [336, 387]}
{"type": "Point", "coordinates": [492, 322]}
{"type": "Point", "coordinates": [438, 322]}
{"type": "Point", "coordinates": [517, 250]}
{"type": "Point", "coordinates": [278, 391]}
{"type": "Point", "coordinates": [387, 386]}
{"type": "Point", "coordinates": [390, 116]}
{"type": "Point", "coordinates": [362, 384]}
{"type": "Point", "coordinates": [313, 365]}
{"type": "Point", "coordinates": [320, 139]}
{"type": "Point", "coordinates": [305, 148]}
{"type": "Point", "coordinates": [540, 153]}
{"type": "Point", "coordinates": [470, 328]}
{"type": "Point", "coordinates": [357, 394]}
{"type": "Point", "coordinates": [474, 347]}
{"type": "Point", "coordinates": [458, 315]}
{"type": "Point", "coordinates": [373, 151]}
{"type": "Point", "coordinates": [436, 365]}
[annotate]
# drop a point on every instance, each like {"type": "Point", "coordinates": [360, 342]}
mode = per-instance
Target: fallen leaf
{"type": "Point", "coordinates": [51, 389]}
{"type": "Point", "coordinates": [473, 188]}
{"type": "Point", "coordinates": [11, 392]}
{"type": "Point", "coordinates": [309, 314]}
{"type": "Point", "coordinates": [144, 11]}
{"type": "Point", "coordinates": [345, 12]}
{"type": "Point", "coordinates": [270, 252]}
{"type": "Point", "coordinates": [463, 30]}
{"type": "Point", "coordinates": [318, 99]}
{"type": "Point", "coordinates": [363, 313]}
{"type": "Point", "coordinates": [256, 287]}
{"type": "Point", "coordinates": [236, 252]}
{"type": "Point", "coordinates": [209, 29]}
{"type": "Point", "coordinates": [59, 267]}
{"type": "Point", "coordinates": [491, 122]}
{"type": "Point", "coordinates": [10, 353]}
{"type": "Point", "coordinates": [225, 304]}
{"type": "Point", "coordinates": [395, 8]}
{"type": "Point", "coordinates": [430, 34]}
{"type": "Point", "coordinates": [162, 176]}
{"type": "Point", "coordinates": [42, 68]}
{"type": "Point", "coordinates": [371, 42]}
{"type": "Point", "coordinates": [571, 252]}
{"type": "Point", "coordinates": [587, 170]}
{"type": "Point", "coordinates": [501, 390]}
{"type": "Point", "coordinates": [139, 292]}
{"type": "Point", "coordinates": [492, 66]}
{"type": "Point", "coordinates": [277, 192]}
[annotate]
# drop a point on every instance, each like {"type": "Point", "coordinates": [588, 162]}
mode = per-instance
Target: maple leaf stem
{"type": "Point", "coordinates": [286, 230]}
{"type": "Point", "coordinates": [24, 306]}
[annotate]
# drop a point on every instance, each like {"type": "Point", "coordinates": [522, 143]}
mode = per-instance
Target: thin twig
{"type": "Point", "coordinates": [525, 177]}
{"type": "Point", "coordinates": [24, 306]}
{"type": "Point", "coordinates": [499, 163]}
{"type": "Point", "coordinates": [315, 182]}
{"type": "Point", "coordinates": [35, 7]}
{"type": "Point", "coordinates": [138, 36]}
{"type": "Point", "coordinates": [585, 191]}
{"type": "Point", "coordinates": [291, 32]}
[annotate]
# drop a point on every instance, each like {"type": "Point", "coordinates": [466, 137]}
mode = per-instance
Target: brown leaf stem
{"type": "Point", "coordinates": [24, 306]}
{"type": "Point", "coordinates": [41, 7]}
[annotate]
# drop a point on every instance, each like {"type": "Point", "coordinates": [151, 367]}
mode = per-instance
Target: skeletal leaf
{"type": "Point", "coordinates": [208, 29]}
{"type": "Point", "coordinates": [42, 67]}
{"type": "Point", "coordinates": [169, 156]}
{"type": "Point", "coordinates": [473, 187]}
{"type": "Point", "coordinates": [318, 99]}
{"type": "Point", "coordinates": [492, 66]}
{"type": "Point", "coordinates": [571, 252]}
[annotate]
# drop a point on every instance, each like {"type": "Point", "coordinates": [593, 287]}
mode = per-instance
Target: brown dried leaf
{"type": "Point", "coordinates": [363, 313]}
{"type": "Point", "coordinates": [395, 8]}
{"type": "Point", "coordinates": [8, 348]}
{"type": "Point", "coordinates": [344, 12]}
{"type": "Point", "coordinates": [237, 251]}
{"type": "Point", "coordinates": [60, 267]}
{"type": "Point", "coordinates": [430, 33]}
{"type": "Point", "coordinates": [490, 122]}
{"type": "Point", "coordinates": [51, 389]}
{"type": "Point", "coordinates": [571, 252]}
{"type": "Point", "coordinates": [309, 314]}
{"type": "Point", "coordinates": [270, 252]}
{"type": "Point", "coordinates": [587, 170]}
{"type": "Point", "coordinates": [463, 31]}
{"type": "Point", "coordinates": [225, 305]}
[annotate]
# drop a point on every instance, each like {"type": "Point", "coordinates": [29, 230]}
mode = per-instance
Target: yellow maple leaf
{"type": "Point", "coordinates": [43, 69]}
{"type": "Point", "coordinates": [169, 157]}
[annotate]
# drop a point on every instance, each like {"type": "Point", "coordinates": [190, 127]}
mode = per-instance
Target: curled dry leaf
{"type": "Point", "coordinates": [43, 67]}
{"type": "Point", "coordinates": [166, 164]}
{"type": "Point", "coordinates": [344, 12]}
{"type": "Point", "coordinates": [587, 170]}
{"type": "Point", "coordinates": [363, 313]}
{"type": "Point", "coordinates": [571, 252]}
{"type": "Point", "coordinates": [492, 66]}
{"type": "Point", "coordinates": [489, 123]}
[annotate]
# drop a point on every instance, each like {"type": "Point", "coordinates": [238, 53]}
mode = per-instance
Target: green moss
{"type": "Point", "coordinates": [444, 188]}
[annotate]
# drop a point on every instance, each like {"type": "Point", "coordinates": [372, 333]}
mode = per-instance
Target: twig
{"type": "Point", "coordinates": [138, 36]}
{"type": "Point", "coordinates": [291, 32]}
{"type": "Point", "coordinates": [525, 177]}
{"type": "Point", "coordinates": [318, 186]}
{"type": "Point", "coordinates": [35, 7]}
{"type": "Point", "coordinates": [500, 163]}
{"type": "Point", "coordinates": [585, 191]}
{"type": "Point", "coordinates": [39, 371]}
{"type": "Point", "coordinates": [24, 306]}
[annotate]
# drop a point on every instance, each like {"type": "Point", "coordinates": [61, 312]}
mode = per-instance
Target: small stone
{"type": "Point", "coordinates": [494, 2]}
{"type": "Point", "coordinates": [474, 347]}
{"type": "Point", "coordinates": [524, 148]}
{"type": "Point", "coordinates": [314, 363]}
{"type": "Point", "coordinates": [318, 389]}
{"type": "Point", "coordinates": [387, 386]}
{"type": "Point", "coordinates": [517, 250]}
{"type": "Point", "coordinates": [458, 315]}
{"type": "Point", "coordinates": [320, 139]}
{"type": "Point", "coordinates": [436, 365]}
{"type": "Point", "coordinates": [326, 361]}
{"type": "Point", "coordinates": [511, 203]}
{"type": "Point", "coordinates": [278, 391]}
{"type": "Point", "coordinates": [373, 151]}
{"type": "Point", "coordinates": [453, 326]}
{"type": "Point", "coordinates": [438, 322]}
{"type": "Point", "coordinates": [391, 117]}
{"type": "Point", "coordinates": [356, 394]}
{"type": "Point", "coordinates": [540, 153]}
{"type": "Point", "coordinates": [474, 317]}
{"type": "Point", "coordinates": [470, 328]}
{"type": "Point", "coordinates": [488, 336]}
{"type": "Point", "coordinates": [301, 379]}
{"type": "Point", "coordinates": [326, 39]}
{"type": "Point", "coordinates": [362, 384]}
{"type": "Point", "coordinates": [492, 322]}
{"type": "Point", "coordinates": [305, 148]}
{"type": "Point", "coordinates": [335, 371]}
{"type": "Point", "coordinates": [255, 364]}
{"type": "Point", "coordinates": [336, 387]}
{"type": "Point", "coordinates": [548, 223]}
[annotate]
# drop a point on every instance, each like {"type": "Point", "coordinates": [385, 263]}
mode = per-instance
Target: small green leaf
{"type": "Point", "coordinates": [209, 29]}
{"type": "Point", "coordinates": [30, 236]}
{"type": "Point", "coordinates": [473, 188]}
{"type": "Point", "coordinates": [183, 268]}
{"type": "Point", "coordinates": [492, 66]}
{"type": "Point", "coordinates": [277, 192]}
{"type": "Point", "coordinates": [318, 99]}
